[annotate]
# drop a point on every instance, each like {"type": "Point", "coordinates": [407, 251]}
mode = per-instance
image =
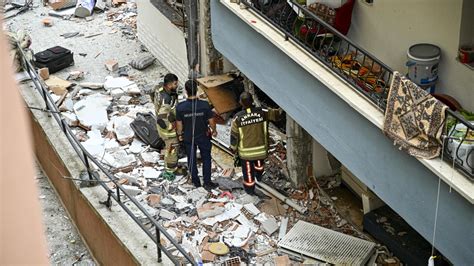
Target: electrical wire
{"type": "Point", "coordinates": [192, 155]}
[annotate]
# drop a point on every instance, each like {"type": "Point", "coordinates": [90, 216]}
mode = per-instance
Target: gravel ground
{"type": "Point", "coordinates": [65, 245]}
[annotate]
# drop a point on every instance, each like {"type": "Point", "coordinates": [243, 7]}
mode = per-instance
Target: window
{"type": "Point", "coordinates": [466, 35]}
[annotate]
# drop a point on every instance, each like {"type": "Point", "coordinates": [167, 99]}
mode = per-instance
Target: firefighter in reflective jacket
{"type": "Point", "coordinates": [249, 139]}
{"type": "Point", "coordinates": [165, 102]}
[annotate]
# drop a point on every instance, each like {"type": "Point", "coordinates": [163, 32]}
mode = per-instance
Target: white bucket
{"type": "Point", "coordinates": [423, 62]}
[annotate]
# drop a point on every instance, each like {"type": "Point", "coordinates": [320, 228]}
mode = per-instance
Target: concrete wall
{"type": "Point", "coordinates": [388, 28]}
{"type": "Point", "coordinates": [164, 40]}
{"type": "Point", "coordinates": [398, 179]}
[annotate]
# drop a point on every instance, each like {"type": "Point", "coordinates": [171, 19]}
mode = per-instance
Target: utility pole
{"type": "Point", "coordinates": [191, 7]}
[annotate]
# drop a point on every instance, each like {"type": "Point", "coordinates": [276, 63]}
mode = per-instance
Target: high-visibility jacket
{"type": "Point", "coordinates": [249, 133]}
{"type": "Point", "coordinates": [165, 108]}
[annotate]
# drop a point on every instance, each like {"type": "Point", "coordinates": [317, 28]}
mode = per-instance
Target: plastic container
{"type": "Point", "coordinates": [423, 62]}
{"type": "Point", "coordinates": [465, 155]}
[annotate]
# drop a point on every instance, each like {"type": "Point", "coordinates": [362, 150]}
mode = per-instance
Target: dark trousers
{"type": "Point", "coordinates": [204, 145]}
{"type": "Point", "coordinates": [251, 170]}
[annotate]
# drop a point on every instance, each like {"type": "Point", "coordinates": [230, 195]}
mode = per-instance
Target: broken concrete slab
{"type": "Point", "coordinates": [119, 159]}
{"type": "Point", "coordinates": [251, 209]}
{"type": "Point", "coordinates": [57, 85]}
{"type": "Point", "coordinates": [131, 190]}
{"type": "Point", "coordinates": [167, 202]}
{"type": "Point", "coordinates": [246, 198]}
{"type": "Point", "coordinates": [178, 198]}
{"type": "Point", "coordinates": [122, 129]}
{"type": "Point", "coordinates": [92, 85]}
{"type": "Point", "coordinates": [70, 118]}
{"type": "Point", "coordinates": [197, 194]}
{"type": "Point", "coordinates": [136, 146]}
{"type": "Point", "coordinates": [95, 144]}
{"type": "Point", "coordinates": [132, 89]}
{"type": "Point", "coordinates": [165, 214]}
{"type": "Point", "coordinates": [283, 228]}
{"type": "Point", "coordinates": [75, 75]}
{"type": "Point", "coordinates": [92, 111]}
{"type": "Point", "coordinates": [84, 92]}
{"type": "Point", "coordinates": [150, 173]}
{"type": "Point", "coordinates": [117, 93]}
{"type": "Point", "coordinates": [124, 100]}
{"type": "Point", "coordinates": [269, 226]}
{"type": "Point", "coordinates": [150, 158]}
{"type": "Point", "coordinates": [116, 83]}
{"type": "Point", "coordinates": [67, 105]}
{"type": "Point", "coordinates": [111, 144]}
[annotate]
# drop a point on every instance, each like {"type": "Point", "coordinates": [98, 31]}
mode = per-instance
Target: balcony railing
{"type": "Point", "coordinates": [120, 195]}
{"type": "Point", "coordinates": [364, 72]}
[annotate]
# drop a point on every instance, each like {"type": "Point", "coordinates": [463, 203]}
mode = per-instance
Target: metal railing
{"type": "Point", "coordinates": [363, 71]}
{"type": "Point", "coordinates": [368, 75]}
{"type": "Point", "coordinates": [119, 192]}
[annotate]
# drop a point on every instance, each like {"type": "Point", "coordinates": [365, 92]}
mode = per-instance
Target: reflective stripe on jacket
{"type": "Point", "coordinates": [249, 134]}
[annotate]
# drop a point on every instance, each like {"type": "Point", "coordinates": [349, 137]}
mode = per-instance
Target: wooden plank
{"type": "Point", "coordinates": [221, 98]}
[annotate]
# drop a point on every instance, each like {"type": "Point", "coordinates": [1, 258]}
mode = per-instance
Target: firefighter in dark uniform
{"type": "Point", "coordinates": [249, 139]}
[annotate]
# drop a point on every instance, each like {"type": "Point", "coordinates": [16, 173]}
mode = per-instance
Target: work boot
{"type": "Point", "coordinates": [211, 185]}
{"type": "Point", "coordinates": [250, 191]}
{"type": "Point", "coordinates": [181, 171]}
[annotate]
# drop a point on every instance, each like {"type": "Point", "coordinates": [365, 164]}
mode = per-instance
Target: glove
{"type": "Point", "coordinates": [171, 117]}
{"type": "Point", "coordinates": [161, 123]}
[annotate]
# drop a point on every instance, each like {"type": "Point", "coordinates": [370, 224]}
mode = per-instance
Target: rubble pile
{"type": "Point", "coordinates": [223, 225]}
{"type": "Point", "coordinates": [126, 17]}
{"type": "Point", "coordinates": [213, 226]}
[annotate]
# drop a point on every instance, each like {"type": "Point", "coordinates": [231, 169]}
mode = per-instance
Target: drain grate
{"type": "Point", "coordinates": [326, 245]}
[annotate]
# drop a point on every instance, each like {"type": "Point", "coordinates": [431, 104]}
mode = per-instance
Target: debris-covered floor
{"type": "Point", "coordinates": [100, 96]}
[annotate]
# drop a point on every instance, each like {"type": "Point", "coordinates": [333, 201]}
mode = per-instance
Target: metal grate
{"type": "Point", "coordinates": [327, 245]}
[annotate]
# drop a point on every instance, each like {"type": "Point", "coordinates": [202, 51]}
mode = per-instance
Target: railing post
{"type": "Point", "coordinates": [45, 98]}
{"type": "Point", "coordinates": [118, 194]}
{"type": "Point", "coordinates": [86, 161]}
{"type": "Point", "coordinates": [158, 239]}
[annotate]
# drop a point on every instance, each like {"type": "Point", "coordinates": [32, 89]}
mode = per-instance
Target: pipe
{"type": "Point", "coordinates": [281, 197]}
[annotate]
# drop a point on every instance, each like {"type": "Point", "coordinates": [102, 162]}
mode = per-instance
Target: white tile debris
{"type": "Point", "coordinates": [151, 173]}
{"type": "Point", "coordinates": [95, 144]}
{"type": "Point", "coordinates": [136, 146]}
{"type": "Point", "coordinates": [150, 158]}
{"type": "Point", "coordinates": [116, 83]}
{"type": "Point", "coordinates": [119, 159]}
{"type": "Point", "coordinates": [71, 119]}
{"type": "Point", "coordinates": [122, 129]}
{"type": "Point", "coordinates": [91, 111]}
{"type": "Point", "coordinates": [131, 190]}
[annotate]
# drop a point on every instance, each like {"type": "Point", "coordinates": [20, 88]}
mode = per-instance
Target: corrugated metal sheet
{"type": "Point", "coordinates": [327, 245]}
